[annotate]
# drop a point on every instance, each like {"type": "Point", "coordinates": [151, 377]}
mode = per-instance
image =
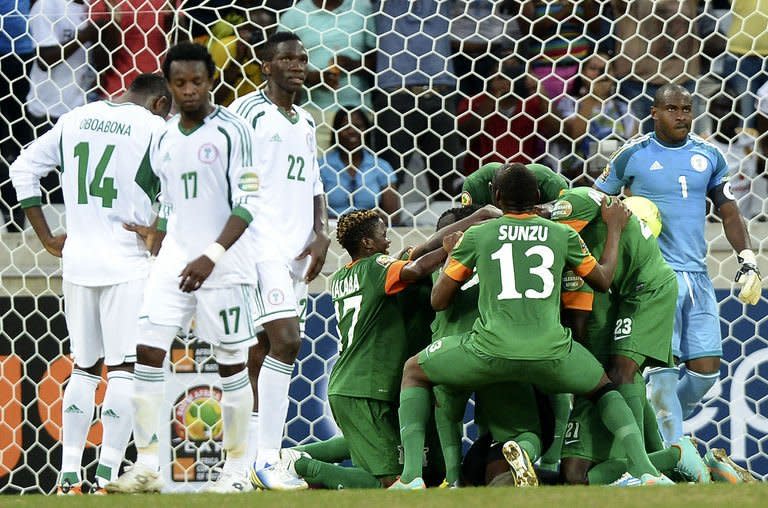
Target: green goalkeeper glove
{"type": "Point", "coordinates": [749, 278]}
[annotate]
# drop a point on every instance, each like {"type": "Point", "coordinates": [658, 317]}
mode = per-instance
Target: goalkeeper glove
{"type": "Point", "coordinates": [749, 277]}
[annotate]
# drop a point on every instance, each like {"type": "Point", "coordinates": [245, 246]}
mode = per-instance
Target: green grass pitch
{"type": "Point", "coordinates": [693, 496]}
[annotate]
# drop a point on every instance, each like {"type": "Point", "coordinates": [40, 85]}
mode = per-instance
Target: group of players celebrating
{"type": "Point", "coordinates": [527, 316]}
{"type": "Point", "coordinates": [524, 312]}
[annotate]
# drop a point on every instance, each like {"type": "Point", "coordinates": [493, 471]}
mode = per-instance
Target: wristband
{"type": "Point", "coordinates": [214, 252]}
{"type": "Point", "coordinates": [747, 256]}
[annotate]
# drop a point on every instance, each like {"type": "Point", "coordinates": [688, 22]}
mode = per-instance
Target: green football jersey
{"type": "Point", "coordinates": [372, 329]}
{"type": "Point", "coordinates": [476, 189]}
{"type": "Point", "coordinates": [460, 316]}
{"type": "Point", "coordinates": [520, 261]}
{"type": "Point", "coordinates": [640, 263]}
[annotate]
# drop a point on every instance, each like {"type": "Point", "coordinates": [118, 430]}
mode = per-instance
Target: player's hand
{"type": "Point", "coordinates": [318, 250]}
{"type": "Point", "coordinates": [450, 241]}
{"type": "Point", "coordinates": [491, 212]}
{"type": "Point", "coordinates": [749, 278]}
{"type": "Point", "coordinates": [195, 273]}
{"type": "Point", "coordinates": [614, 212]}
{"type": "Point", "coordinates": [55, 244]}
{"type": "Point", "coordinates": [148, 234]}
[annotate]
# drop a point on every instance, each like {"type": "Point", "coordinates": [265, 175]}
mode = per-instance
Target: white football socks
{"type": "Point", "coordinates": [274, 382]}
{"type": "Point", "coordinates": [117, 422]}
{"type": "Point", "coordinates": [76, 418]}
{"type": "Point", "coordinates": [253, 437]}
{"type": "Point", "coordinates": [147, 400]}
{"type": "Point", "coordinates": [236, 406]}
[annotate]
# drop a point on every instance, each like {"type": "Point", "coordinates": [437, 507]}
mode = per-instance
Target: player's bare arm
{"type": "Point", "coordinates": [445, 287]}
{"type": "Point", "coordinates": [197, 270]}
{"type": "Point", "coordinates": [615, 215]}
{"type": "Point", "coordinates": [318, 248]}
{"type": "Point", "coordinates": [54, 244]}
{"type": "Point", "coordinates": [428, 263]}
{"type": "Point", "coordinates": [436, 240]}
{"type": "Point", "coordinates": [736, 232]}
{"type": "Point", "coordinates": [149, 235]}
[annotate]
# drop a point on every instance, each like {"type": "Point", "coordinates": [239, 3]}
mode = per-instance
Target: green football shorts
{"type": "Point", "coordinates": [644, 324]}
{"type": "Point", "coordinates": [371, 428]}
{"type": "Point", "coordinates": [454, 361]}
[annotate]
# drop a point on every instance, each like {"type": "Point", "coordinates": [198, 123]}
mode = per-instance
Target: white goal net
{"type": "Point", "coordinates": [443, 86]}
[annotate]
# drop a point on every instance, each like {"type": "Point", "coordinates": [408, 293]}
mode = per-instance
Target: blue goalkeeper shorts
{"type": "Point", "coordinates": [697, 321]}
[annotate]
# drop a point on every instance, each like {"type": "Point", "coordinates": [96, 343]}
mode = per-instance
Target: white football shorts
{"type": "Point", "coordinates": [281, 291]}
{"type": "Point", "coordinates": [222, 315]}
{"type": "Point", "coordinates": [103, 321]}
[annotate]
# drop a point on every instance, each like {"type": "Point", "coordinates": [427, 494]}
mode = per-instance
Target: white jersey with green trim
{"type": "Point", "coordinates": [206, 175]}
{"type": "Point", "coordinates": [287, 152]}
{"type": "Point", "coordinates": [102, 150]}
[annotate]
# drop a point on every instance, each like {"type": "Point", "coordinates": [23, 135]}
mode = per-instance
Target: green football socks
{"type": "Point", "coordinates": [335, 477]}
{"type": "Point", "coordinates": [618, 418]}
{"type": "Point", "coordinates": [415, 406]}
{"type": "Point", "coordinates": [331, 450]}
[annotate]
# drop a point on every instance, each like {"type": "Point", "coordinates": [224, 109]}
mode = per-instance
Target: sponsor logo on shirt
{"type": "Point", "coordinates": [561, 210]}
{"type": "Point", "coordinates": [606, 172]}
{"type": "Point", "coordinates": [571, 281]}
{"type": "Point", "coordinates": [249, 182]}
{"type": "Point", "coordinates": [656, 166]}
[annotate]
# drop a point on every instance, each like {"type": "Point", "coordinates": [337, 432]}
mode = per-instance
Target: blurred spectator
{"type": "Point", "coordinates": [238, 71]}
{"type": "Point", "coordinates": [559, 40]}
{"type": "Point", "coordinates": [761, 105]}
{"type": "Point", "coordinates": [137, 39]}
{"type": "Point", "coordinates": [480, 31]}
{"type": "Point", "coordinates": [747, 177]}
{"type": "Point", "coordinates": [353, 176]}
{"type": "Point", "coordinates": [592, 113]}
{"type": "Point", "coordinates": [416, 111]}
{"type": "Point", "coordinates": [337, 35]}
{"type": "Point", "coordinates": [658, 44]}
{"type": "Point", "coordinates": [745, 67]}
{"type": "Point", "coordinates": [508, 122]}
{"type": "Point", "coordinates": [61, 76]}
{"type": "Point", "coordinates": [199, 16]}
{"type": "Point", "coordinates": [16, 56]}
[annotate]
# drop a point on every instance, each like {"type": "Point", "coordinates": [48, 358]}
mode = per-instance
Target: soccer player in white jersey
{"type": "Point", "coordinates": [101, 149]}
{"type": "Point", "coordinates": [678, 171]}
{"type": "Point", "coordinates": [208, 183]}
{"type": "Point", "coordinates": [292, 232]}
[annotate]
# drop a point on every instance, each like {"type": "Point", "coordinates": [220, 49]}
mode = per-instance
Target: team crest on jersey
{"type": "Point", "coordinates": [310, 141]}
{"type": "Point", "coordinates": [249, 182]}
{"type": "Point", "coordinates": [275, 296]}
{"type": "Point", "coordinates": [208, 153]}
{"type": "Point", "coordinates": [385, 260]}
{"type": "Point", "coordinates": [561, 210]}
{"type": "Point", "coordinates": [466, 198]}
{"type": "Point", "coordinates": [698, 162]}
{"type": "Point", "coordinates": [571, 281]}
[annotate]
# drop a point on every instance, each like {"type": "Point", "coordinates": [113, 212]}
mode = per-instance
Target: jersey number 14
{"type": "Point", "coordinates": [99, 186]}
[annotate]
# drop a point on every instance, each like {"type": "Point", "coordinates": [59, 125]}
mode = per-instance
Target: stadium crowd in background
{"type": "Point", "coordinates": [418, 88]}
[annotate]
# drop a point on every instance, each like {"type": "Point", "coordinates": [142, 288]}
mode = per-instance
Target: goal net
{"type": "Point", "coordinates": [443, 87]}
